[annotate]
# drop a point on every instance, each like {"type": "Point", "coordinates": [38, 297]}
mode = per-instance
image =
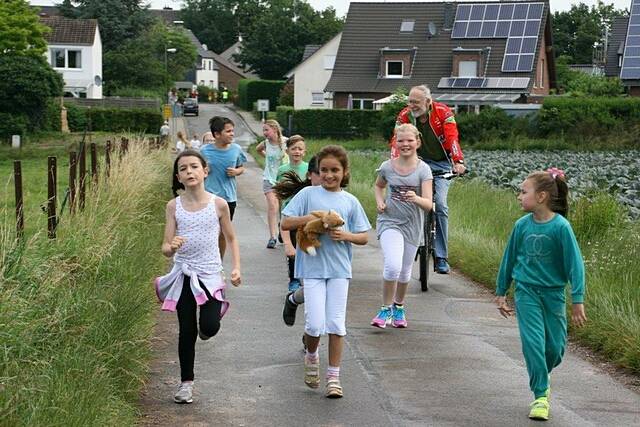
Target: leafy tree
{"type": "Point", "coordinates": [119, 20]}
{"type": "Point", "coordinates": [274, 44]}
{"type": "Point", "coordinates": [576, 31]}
{"type": "Point", "coordinates": [141, 61]}
{"type": "Point", "coordinates": [27, 83]}
{"type": "Point", "coordinates": [576, 83]}
{"type": "Point", "coordinates": [20, 30]}
{"type": "Point", "coordinates": [212, 21]}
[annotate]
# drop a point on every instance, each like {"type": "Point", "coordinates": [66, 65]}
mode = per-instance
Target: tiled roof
{"type": "Point", "coordinates": [201, 51]}
{"type": "Point", "coordinates": [371, 27]}
{"type": "Point", "coordinates": [70, 31]}
{"type": "Point", "coordinates": [227, 55]}
{"type": "Point", "coordinates": [167, 15]}
{"type": "Point", "coordinates": [615, 46]}
{"type": "Point", "coordinates": [309, 50]}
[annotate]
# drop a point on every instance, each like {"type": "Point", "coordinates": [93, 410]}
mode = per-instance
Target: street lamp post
{"type": "Point", "coordinates": [166, 62]}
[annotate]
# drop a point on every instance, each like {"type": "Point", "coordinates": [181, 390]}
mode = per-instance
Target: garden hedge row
{"type": "Point", "coordinates": [249, 91]}
{"type": "Point", "coordinates": [325, 123]}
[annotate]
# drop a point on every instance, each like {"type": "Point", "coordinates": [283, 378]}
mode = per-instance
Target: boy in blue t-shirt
{"type": "Point", "coordinates": [226, 161]}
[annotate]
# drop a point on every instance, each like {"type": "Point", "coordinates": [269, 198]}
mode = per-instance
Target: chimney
{"type": "Point", "coordinates": [204, 46]}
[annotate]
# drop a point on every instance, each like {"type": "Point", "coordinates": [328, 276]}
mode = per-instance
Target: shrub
{"type": "Point", "coordinates": [12, 124]}
{"type": "Point", "coordinates": [250, 91]}
{"type": "Point", "coordinates": [390, 112]}
{"type": "Point", "coordinates": [76, 117]}
{"type": "Point", "coordinates": [286, 94]}
{"type": "Point", "coordinates": [595, 215]}
{"type": "Point", "coordinates": [335, 123]}
{"type": "Point", "coordinates": [118, 120]}
{"type": "Point", "coordinates": [204, 92]}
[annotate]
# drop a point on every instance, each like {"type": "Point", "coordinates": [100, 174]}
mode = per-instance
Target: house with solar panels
{"type": "Point", "coordinates": [471, 54]}
{"type": "Point", "coordinates": [623, 53]}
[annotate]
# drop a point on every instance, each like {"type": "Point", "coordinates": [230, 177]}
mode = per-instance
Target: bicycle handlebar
{"type": "Point", "coordinates": [447, 174]}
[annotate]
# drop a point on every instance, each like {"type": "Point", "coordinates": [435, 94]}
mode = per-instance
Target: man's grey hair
{"type": "Point", "coordinates": [424, 89]}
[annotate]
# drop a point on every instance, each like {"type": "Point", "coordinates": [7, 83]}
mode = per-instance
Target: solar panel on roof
{"type": "Point", "coordinates": [484, 82]}
{"type": "Point", "coordinates": [461, 83]}
{"type": "Point", "coordinates": [518, 22]}
{"type": "Point", "coordinates": [525, 63]}
{"type": "Point", "coordinates": [631, 58]}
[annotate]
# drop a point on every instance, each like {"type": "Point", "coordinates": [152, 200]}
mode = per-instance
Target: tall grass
{"type": "Point", "coordinates": [481, 219]}
{"type": "Point", "coordinates": [75, 312]}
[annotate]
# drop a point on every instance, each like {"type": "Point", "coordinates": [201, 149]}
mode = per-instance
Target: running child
{"type": "Point", "coordinates": [541, 257]}
{"type": "Point", "coordinates": [274, 150]}
{"type": "Point", "coordinates": [194, 221]}
{"type": "Point", "coordinates": [407, 182]}
{"type": "Point", "coordinates": [326, 276]}
{"type": "Point", "coordinates": [226, 161]}
{"type": "Point", "coordinates": [296, 149]}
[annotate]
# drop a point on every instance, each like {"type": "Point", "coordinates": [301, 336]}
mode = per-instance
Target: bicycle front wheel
{"type": "Point", "coordinates": [425, 252]}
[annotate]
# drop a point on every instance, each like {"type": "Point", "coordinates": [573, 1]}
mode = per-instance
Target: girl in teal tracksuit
{"type": "Point", "coordinates": [542, 255]}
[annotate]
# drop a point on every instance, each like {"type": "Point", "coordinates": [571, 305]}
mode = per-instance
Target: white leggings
{"type": "Point", "coordinates": [396, 267]}
{"type": "Point", "coordinates": [325, 306]}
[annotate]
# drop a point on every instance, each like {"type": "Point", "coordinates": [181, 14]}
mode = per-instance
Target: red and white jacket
{"type": "Point", "coordinates": [443, 124]}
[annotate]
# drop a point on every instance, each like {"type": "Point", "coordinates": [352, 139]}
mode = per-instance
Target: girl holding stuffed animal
{"type": "Point", "coordinates": [326, 275]}
{"type": "Point", "coordinates": [541, 257]}
{"type": "Point", "coordinates": [193, 224]}
{"type": "Point", "coordinates": [403, 193]}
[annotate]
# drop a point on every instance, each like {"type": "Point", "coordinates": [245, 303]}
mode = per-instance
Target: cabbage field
{"type": "Point", "coordinates": [615, 172]}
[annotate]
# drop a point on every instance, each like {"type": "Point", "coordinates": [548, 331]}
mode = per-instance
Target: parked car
{"type": "Point", "coordinates": [190, 106]}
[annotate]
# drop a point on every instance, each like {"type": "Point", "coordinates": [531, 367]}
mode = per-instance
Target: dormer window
{"type": "Point", "coordinates": [394, 70]}
{"type": "Point", "coordinates": [407, 25]}
{"type": "Point", "coordinates": [396, 63]}
{"type": "Point", "coordinates": [468, 63]}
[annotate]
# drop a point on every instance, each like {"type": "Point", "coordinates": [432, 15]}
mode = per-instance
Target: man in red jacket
{"type": "Point", "coordinates": [440, 149]}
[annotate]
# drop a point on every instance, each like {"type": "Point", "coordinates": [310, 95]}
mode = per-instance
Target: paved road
{"type": "Point", "coordinates": [457, 364]}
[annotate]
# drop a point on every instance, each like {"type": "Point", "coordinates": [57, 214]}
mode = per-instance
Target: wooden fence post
{"type": "Point", "coordinates": [17, 179]}
{"type": "Point", "coordinates": [82, 173]}
{"type": "Point", "coordinates": [94, 163]}
{"type": "Point", "coordinates": [73, 162]}
{"type": "Point", "coordinates": [51, 196]}
{"type": "Point", "coordinates": [107, 158]}
{"type": "Point", "coordinates": [124, 146]}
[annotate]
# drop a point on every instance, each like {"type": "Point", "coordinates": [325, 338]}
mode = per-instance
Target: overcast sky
{"type": "Point", "coordinates": [342, 6]}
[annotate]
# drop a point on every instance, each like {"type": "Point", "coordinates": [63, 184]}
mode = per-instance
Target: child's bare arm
{"type": "Point", "coordinates": [260, 149]}
{"type": "Point", "coordinates": [289, 250]}
{"type": "Point", "coordinates": [578, 316]}
{"type": "Point", "coordinates": [379, 190]}
{"type": "Point", "coordinates": [171, 243]}
{"type": "Point", "coordinates": [346, 236]}
{"type": "Point", "coordinates": [293, 222]}
{"type": "Point", "coordinates": [230, 236]}
{"type": "Point", "coordinates": [503, 307]}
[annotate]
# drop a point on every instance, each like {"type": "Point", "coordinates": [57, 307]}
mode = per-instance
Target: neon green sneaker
{"type": "Point", "coordinates": [539, 409]}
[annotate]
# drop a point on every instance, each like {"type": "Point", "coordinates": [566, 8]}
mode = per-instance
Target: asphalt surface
{"type": "Point", "coordinates": [457, 364]}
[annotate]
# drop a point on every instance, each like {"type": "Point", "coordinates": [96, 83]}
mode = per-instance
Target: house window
{"type": "Point", "coordinates": [317, 98]}
{"type": "Point", "coordinates": [541, 74]}
{"type": "Point", "coordinates": [407, 25]}
{"type": "Point", "coordinates": [395, 69]}
{"type": "Point", "coordinates": [329, 61]}
{"type": "Point", "coordinates": [620, 61]}
{"type": "Point", "coordinates": [468, 69]}
{"type": "Point", "coordinates": [363, 104]}
{"type": "Point", "coordinates": [66, 58]}
{"type": "Point", "coordinates": [211, 83]}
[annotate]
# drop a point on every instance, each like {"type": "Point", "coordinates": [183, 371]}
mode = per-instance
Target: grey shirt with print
{"type": "Point", "coordinates": [400, 214]}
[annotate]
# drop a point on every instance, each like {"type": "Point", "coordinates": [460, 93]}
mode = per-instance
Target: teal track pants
{"type": "Point", "coordinates": [542, 319]}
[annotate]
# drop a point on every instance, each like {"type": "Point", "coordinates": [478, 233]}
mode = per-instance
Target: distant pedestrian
{"type": "Point", "coordinates": [195, 143]}
{"type": "Point", "coordinates": [226, 161]}
{"type": "Point", "coordinates": [326, 275]}
{"type": "Point", "coordinates": [274, 151]}
{"type": "Point", "coordinates": [207, 138]}
{"type": "Point", "coordinates": [194, 221]}
{"type": "Point", "coordinates": [541, 257]}
{"type": "Point", "coordinates": [225, 95]}
{"type": "Point", "coordinates": [165, 130]}
{"type": "Point", "coordinates": [181, 143]}
{"type": "Point", "coordinates": [407, 182]}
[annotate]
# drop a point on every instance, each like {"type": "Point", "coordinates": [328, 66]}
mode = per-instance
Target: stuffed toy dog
{"type": "Point", "coordinates": [307, 236]}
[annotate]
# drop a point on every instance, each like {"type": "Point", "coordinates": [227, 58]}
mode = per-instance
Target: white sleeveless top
{"type": "Point", "coordinates": [198, 258]}
{"type": "Point", "coordinates": [201, 230]}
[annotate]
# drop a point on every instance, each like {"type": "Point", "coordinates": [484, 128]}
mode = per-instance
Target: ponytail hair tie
{"type": "Point", "coordinates": [555, 172]}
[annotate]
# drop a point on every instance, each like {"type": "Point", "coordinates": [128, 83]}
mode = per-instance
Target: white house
{"type": "Point", "coordinates": [205, 71]}
{"type": "Point", "coordinates": [312, 75]}
{"type": "Point", "coordinates": [75, 51]}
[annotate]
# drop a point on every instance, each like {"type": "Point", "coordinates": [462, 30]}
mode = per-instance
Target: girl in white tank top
{"type": "Point", "coordinates": [194, 222]}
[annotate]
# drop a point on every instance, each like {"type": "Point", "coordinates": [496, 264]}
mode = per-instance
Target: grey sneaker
{"type": "Point", "coordinates": [184, 393]}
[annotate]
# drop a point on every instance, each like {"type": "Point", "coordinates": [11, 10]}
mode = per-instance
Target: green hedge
{"type": "Point", "coordinates": [249, 91]}
{"type": "Point", "coordinates": [324, 123]}
{"type": "Point", "coordinates": [12, 124]}
{"type": "Point", "coordinates": [586, 117]}
{"type": "Point", "coordinates": [113, 119]}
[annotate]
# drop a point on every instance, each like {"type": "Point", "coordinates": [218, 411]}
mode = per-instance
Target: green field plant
{"type": "Point", "coordinates": [76, 312]}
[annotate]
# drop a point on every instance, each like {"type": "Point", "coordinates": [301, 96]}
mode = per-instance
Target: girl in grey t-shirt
{"type": "Point", "coordinates": [403, 193]}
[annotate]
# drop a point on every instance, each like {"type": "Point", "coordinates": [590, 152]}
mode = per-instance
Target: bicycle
{"type": "Point", "coordinates": [427, 249]}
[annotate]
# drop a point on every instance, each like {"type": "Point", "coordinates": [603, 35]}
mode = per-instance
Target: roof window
{"type": "Point", "coordinates": [407, 25]}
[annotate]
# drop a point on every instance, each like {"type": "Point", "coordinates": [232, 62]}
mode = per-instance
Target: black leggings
{"type": "Point", "coordinates": [209, 325]}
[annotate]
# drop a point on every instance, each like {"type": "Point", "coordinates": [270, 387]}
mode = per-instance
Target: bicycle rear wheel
{"type": "Point", "coordinates": [425, 252]}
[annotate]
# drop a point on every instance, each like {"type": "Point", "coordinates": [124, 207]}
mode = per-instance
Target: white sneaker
{"type": "Point", "coordinates": [184, 393]}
